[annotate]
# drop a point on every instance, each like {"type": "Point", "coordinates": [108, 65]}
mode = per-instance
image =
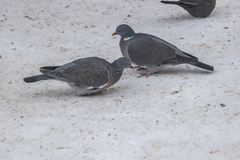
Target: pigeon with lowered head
{"type": "Point", "coordinates": [86, 75]}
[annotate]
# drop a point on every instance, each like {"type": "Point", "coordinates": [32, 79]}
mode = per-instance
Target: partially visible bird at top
{"type": "Point", "coordinates": [196, 8]}
{"type": "Point", "coordinates": [150, 52]}
{"type": "Point", "coordinates": [86, 75]}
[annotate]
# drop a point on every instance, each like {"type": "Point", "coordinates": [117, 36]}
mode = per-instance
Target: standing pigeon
{"type": "Point", "coordinates": [86, 75]}
{"type": "Point", "coordinates": [150, 52]}
{"type": "Point", "coordinates": [196, 8]}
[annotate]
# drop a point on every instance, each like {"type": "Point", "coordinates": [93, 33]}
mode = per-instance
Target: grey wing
{"type": "Point", "coordinates": [87, 72]}
{"type": "Point", "coordinates": [56, 72]}
{"type": "Point", "coordinates": [93, 74]}
{"type": "Point", "coordinates": [180, 56]}
{"type": "Point", "coordinates": [95, 79]}
{"type": "Point", "coordinates": [169, 45]}
{"type": "Point", "coordinates": [149, 50]}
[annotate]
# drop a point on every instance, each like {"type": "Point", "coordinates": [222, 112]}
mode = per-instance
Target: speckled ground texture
{"type": "Point", "coordinates": [180, 113]}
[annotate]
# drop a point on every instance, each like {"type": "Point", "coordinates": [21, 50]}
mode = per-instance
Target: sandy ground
{"type": "Point", "coordinates": [180, 113]}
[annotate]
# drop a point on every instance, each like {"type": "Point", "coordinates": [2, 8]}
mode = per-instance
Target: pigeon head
{"type": "Point", "coordinates": [124, 31]}
{"type": "Point", "coordinates": [122, 63]}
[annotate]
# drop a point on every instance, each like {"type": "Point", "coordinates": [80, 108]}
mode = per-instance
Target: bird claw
{"type": "Point", "coordinates": [144, 75]}
{"type": "Point", "coordinates": [139, 69]}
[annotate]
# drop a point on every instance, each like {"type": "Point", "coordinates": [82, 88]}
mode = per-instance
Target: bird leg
{"type": "Point", "coordinates": [139, 68]}
{"type": "Point", "coordinates": [144, 75]}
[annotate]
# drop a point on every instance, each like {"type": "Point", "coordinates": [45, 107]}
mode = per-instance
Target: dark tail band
{"type": "Point", "coordinates": [203, 66]}
{"type": "Point", "coordinates": [36, 78]}
{"type": "Point", "coordinates": [170, 2]}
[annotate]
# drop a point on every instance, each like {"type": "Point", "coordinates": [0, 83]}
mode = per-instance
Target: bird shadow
{"type": "Point", "coordinates": [68, 92]}
{"type": "Point", "coordinates": [53, 93]}
{"type": "Point", "coordinates": [169, 70]}
{"type": "Point", "coordinates": [222, 12]}
{"type": "Point", "coordinates": [180, 18]}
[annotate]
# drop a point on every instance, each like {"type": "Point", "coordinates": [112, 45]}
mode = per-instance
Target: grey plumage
{"type": "Point", "coordinates": [86, 75]}
{"type": "Point", "coordinates": [150, 52]}
{"type": "Point", "coordinates": [196, 8]}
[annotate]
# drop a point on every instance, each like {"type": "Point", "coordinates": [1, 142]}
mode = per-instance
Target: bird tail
{"type": "Point", "coordinates": [36, 78]}
{"type": "Point", "coordinates": [50, 68]}
{"type": "Point", "coordinates": [181, 3]}
{"type": "Point", "coordinates": [170, 2]}
{"type": "Point", "coordinates": [202, 65]}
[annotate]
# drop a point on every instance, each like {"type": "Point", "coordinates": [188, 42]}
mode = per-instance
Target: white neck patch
{"type": "Point", "coordinates": [125, 39]}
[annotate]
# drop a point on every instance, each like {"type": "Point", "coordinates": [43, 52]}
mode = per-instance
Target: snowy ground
{"type": "Point", "coordinates": [180, 113]}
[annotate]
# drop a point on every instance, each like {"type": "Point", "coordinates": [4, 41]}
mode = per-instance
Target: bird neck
{"type": "Point", "coordinates": [117, 71]}
{"type": "Point", "coordinates": [128, 36]}
{"type": "Point", "coordinates": [118, 74]}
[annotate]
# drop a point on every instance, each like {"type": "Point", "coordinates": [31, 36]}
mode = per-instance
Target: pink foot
{"type": "Point", "coordinates": [144, 75]}
{"type": "Point", "coordinates": [139, 69]}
